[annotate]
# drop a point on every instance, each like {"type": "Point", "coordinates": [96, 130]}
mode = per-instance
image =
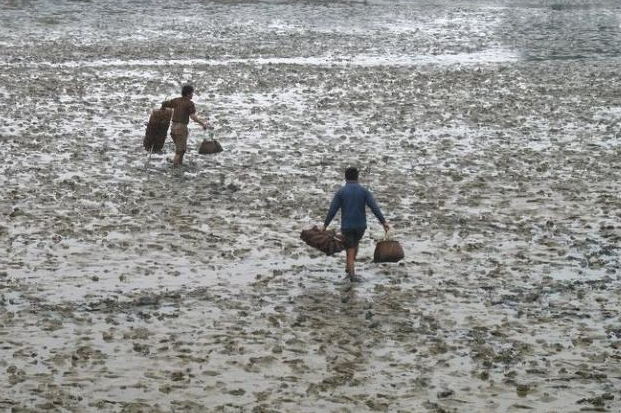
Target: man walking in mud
{"type": "Point", "coordinates": [183, 110]}
{"type": "Point", "coordinates": [351, 199]}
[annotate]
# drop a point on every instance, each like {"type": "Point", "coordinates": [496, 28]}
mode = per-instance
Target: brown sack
{"type": "Point", "coordinates": [157, 129]}
{"type": "Point", "coordinates": [209, 147]}
{"type": "Point", "coordinates": [388, 251]}
{"type": "Point", "coordinates": [328, 242]}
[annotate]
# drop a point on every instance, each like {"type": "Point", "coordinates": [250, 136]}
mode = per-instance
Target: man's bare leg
{"type": "Point", "coordinates": [351, 262]}
{"type": "Point", "coordinates": [177, 160]}
{"type": "Point", "coordinates": [350, 254]}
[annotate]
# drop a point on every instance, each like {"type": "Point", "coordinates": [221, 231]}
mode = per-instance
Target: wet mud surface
{"type": "Point", "coordinates": [488, 133]}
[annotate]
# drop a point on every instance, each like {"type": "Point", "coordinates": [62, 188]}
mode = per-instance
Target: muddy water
{"type": "Point", "coordinates": [488, 132]}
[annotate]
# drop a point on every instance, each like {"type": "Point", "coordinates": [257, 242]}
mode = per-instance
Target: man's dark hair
{"type": "Point", "coordinates": [187, 90]}
{"type": "Point", "coordinates": [351, 174]}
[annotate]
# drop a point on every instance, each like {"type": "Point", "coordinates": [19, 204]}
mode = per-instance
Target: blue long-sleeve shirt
{"type": "Point", "coordinates": [352, 199]}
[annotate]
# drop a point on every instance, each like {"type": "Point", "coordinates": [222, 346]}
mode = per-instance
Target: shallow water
{"type": "Point", "coordinates": [488, 132]}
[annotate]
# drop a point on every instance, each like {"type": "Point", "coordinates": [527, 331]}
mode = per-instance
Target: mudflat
{"type": "Point", "coordinates": [488, 133]}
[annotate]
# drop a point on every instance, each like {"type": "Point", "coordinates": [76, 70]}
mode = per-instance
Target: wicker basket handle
{"type": "Point", "coordinates": [210, 134]}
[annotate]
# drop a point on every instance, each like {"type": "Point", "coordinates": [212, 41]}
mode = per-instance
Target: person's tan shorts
{"type": "Point", "coordinates": [179, 135]}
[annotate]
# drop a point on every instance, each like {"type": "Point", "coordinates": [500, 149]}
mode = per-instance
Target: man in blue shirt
{"type": "Point", "coordinates": [352, 199]}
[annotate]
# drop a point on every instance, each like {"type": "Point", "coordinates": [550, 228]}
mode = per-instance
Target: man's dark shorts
{"type": "Point", "coordinates": [352, 237]}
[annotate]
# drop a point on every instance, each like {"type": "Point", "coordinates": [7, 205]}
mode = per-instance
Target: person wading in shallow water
{"type": "Point", "coordinates": [183, 110]}
{"type": "Point", "coordinates": [352, 199]}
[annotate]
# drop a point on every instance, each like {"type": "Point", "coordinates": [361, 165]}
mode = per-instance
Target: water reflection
{"type": "Point", "coordinates": [563, 30]}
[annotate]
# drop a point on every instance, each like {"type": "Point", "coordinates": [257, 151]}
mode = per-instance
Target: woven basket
{"type": "Point", "coordinates": [157, 129]}
{"type": "Point", "coordinates": [328, 242]}
{"type": "Point", "coordinates": [209, 146]}
{"type": "Point", "coordinates": [388, 250]}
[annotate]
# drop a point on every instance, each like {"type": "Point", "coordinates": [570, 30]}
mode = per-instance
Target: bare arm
{"type": "Point", "coordinates": [198, 120]}
{"type": "Point", "coordinates": [335, 205]}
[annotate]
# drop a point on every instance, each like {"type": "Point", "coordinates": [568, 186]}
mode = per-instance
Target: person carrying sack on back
{"type": "Point", "coordinates": [351, 199]}
{"type": "Point", "coordinates": [183, 110]}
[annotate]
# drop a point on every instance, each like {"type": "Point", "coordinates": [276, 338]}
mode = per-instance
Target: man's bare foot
{"type": "Point", "coordinates": [355, 278]}
{"type": "Point", "coordinates": [177, 160]}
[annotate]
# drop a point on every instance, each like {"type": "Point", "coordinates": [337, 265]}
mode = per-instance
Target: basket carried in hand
{"type": "Point", "coordinates": [157, 129]}
{"type": "Point", "coordinates": [328, 242]}
{"type": "Point", "coordinates": [388, 250]}
{"type": "Point", "coordinates": [209, 146]}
